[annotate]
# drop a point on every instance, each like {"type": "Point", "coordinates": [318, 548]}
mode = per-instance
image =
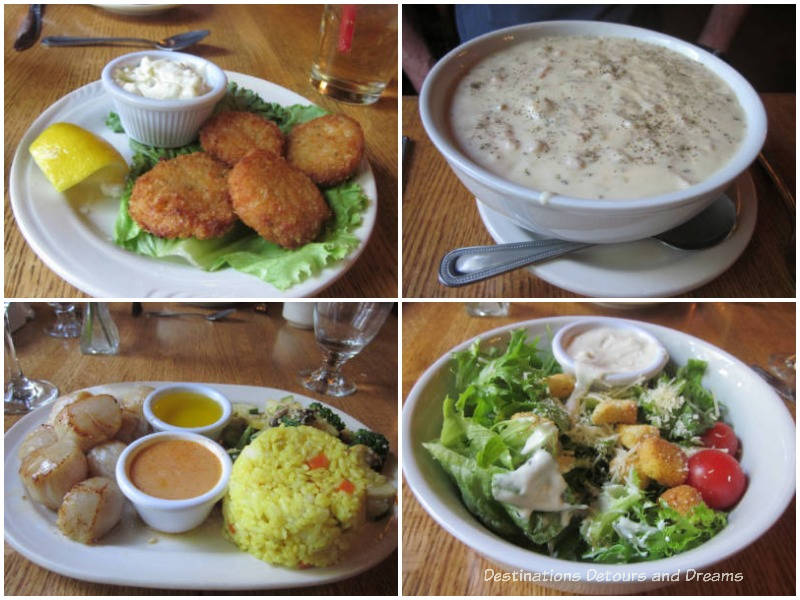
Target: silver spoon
{"type": "Point", "coordinates": [476, 263]}
{"type": "Point", "coordinates": [217, 316]}
{"type": "Point", "coordinates": [175, 42]}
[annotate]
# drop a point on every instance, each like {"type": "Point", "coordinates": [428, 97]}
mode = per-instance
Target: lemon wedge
{"type": "Point", "coordinates": [68, 154]}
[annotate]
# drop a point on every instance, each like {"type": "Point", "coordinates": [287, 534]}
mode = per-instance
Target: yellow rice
{"type": "Point", "coordinates": [282, 511]}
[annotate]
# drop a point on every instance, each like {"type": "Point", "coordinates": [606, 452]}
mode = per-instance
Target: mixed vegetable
{"type": "Point", "coordinates": [611, 475]}
{"type": "Point", "coordinates": [248, 421]}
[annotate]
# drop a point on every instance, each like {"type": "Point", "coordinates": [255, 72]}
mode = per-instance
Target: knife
{"type": "Point", "coordinates": [30, 28]}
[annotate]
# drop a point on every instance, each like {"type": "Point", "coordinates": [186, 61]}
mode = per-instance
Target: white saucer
{"type": "Point", "coordinates": [641, 269]}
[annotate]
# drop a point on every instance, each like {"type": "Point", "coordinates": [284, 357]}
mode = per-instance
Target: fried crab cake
{"type": "Point", "coordinates": [277, 200]}
{"type": "Point", "coordinates": [186, 196]}
{"type": "Point", "coordinates": [327, 149]}
{"type": "Point", "coordinates": [230, 135]}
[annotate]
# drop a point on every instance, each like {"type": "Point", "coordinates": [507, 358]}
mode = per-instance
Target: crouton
{"type": "Point", "coordinates": [623, 463]}
{"type": "Point", "coordinates": [682, 498]}
{"type": "Point", "coordinates": [609, 412]}
{"type": "Point", "coordinates": [630, 435]}
{"type": "Point", "coordinates": [560, 385]}
{"type": "Point", "coordinates": [663, 461]}
{"type": "Point", "coordinates": [566, 462]}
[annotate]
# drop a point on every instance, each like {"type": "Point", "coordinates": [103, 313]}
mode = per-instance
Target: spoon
{"type": "Point", "coordinates": [217, 316]}
{"type": "Point", "coordinates": [175, 42]}
{"type": "Point", "coordinates": [476, 263]}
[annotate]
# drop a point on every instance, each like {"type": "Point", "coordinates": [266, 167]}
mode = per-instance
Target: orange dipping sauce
{"type": "Point", "coordinates": [175, 470]}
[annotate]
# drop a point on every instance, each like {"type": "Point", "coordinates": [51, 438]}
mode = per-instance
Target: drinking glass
{"type": "Point", "coordinates": [357, 53]}
{"type": "Point", "coordinates": [23, 394]}
{"type": "Point", "coordinates": [342, 330]}
{"type": "Point", "coordinates": [487, 309]}
{"type": "Point", "coordinates": [67, 324]}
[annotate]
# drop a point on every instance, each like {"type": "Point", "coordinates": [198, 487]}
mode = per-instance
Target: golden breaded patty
{"type": "Point", "coordinates": [327, 149]}
{"type": "Point", "coordinates": [186, 196]}
{"type": "Point", "coordinates": [277, 200]}
{"type": "Point", "coordinates": [230, 135]}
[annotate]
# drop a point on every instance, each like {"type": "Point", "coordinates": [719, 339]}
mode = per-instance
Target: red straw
{"type": "Point", "coordinates": [347, 27]}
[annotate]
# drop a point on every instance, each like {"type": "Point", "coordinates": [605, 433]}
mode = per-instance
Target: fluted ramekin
{"type": "Point", "coordinates": [164, 123]}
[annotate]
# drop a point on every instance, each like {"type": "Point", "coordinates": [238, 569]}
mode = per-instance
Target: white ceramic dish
{"type": "Point", "coordinates": [173, 516]}
{"type": "Point", "coordinates": [164, 123]}
{"type": "Point", "coordinates": [642, 269]}
{"type": "Point", "coordinates": [600, 221]}
{"type": "Point", "coordinates": [761, 421]}
{"type": "Point", "coordinates": [565, 335]}
{"type": "Point", "coordinates": [211, 431]}
{"type": "Point", "coordinates": [72, 236]}
{"type": "Point", "coordinates": [136, 10]}
{"type": "Point", "coordinates": [201, 559]}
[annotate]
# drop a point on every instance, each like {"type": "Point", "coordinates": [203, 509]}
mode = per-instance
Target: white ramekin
{"type": "Point", "coordinates": [577, 219]}
{"type": "Point", "coordinates": [210, 431]}
{"type": "Point", "coordinates": [565, 335]}
{"type": "Point", "coordinates": [164, 123]}
{"type": "Point", "coordinates": [172, 516]}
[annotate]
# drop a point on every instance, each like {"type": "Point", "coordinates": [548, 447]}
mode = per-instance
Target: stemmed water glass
{"type": "Point", "coordinates": [342, 330]}
{"type": "Point", "coordinates": [67, 324]}
{"type": "Point", "coordinates": [23, 394]}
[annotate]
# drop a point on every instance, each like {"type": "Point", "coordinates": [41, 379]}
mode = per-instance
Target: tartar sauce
{"type": "Point", "coordinates": [609, 350]}
{"type": "Point", "coordinates": [162, 79]}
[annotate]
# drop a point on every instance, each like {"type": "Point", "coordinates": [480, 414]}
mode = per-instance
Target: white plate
{"type": "Point", "coordinates": [642, 269]}
{"type": "Point", "coordinates": [199, 559]}
{"type": "Point", "coordinates": [75, 239]}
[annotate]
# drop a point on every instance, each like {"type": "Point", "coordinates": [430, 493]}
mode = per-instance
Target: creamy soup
{"type": "Point", "coordinates": [594, 117]}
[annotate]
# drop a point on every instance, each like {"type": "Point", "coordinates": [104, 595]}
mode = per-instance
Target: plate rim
{"type": "Point", "coordinates": [734, 246]}
{"type": "Point", "coordinates": [305, 577]}
{"type": "Point", "coordinates": [19, 195]}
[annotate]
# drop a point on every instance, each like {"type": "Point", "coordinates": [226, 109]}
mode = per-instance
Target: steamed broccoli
{"type": "Point", "coordinates": [326, 414]}
{"type": "Point", "coordinates": [376, 442]}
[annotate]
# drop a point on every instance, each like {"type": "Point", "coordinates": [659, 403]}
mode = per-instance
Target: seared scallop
{"type": "Point", "coordinates": [48, 473]}
{"type": "Point", "coordinates": [90, 509]}
{"type": "Point", "coordinates": [41, 436]}
{"type": "Point", "coordinates": [63, 401]}
{"type": "Point", "coordinates": [90, 420]}
{"type": "Point", "coordinates": [134, 425]}
{"type": "Point", "coordinates": [103, 459]}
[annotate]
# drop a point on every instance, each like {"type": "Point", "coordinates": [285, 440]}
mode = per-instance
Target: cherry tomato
{"type": "Point", "coordinates": [721, 437]}
{"type": "Point", "coordinates": [718, 478]}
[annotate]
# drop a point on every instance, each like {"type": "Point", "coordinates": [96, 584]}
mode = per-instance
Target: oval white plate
{"type": "Point", "coordinates": [75, 239]}
{"type": "Point", "coordinates": [199, 559]}
{"type": "Point", "coordinates": [643, 269]}
{"type": "Point", "coordinates": [758, 416]}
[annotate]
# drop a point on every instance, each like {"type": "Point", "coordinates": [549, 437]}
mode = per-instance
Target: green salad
{"type": "Point", "coordinates": [600, 478]}
{"type": "Point", "coordinates": [242, 248]}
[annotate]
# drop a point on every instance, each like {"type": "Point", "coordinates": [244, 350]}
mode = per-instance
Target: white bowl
{"type": "Point", "coordinates": [211, 431]}
{"type": "Point", "coordinates": [762, 424]}
{"type": "Point", "coordinates": [164, 123]}
{"type": "Point", "coordinates": [172, 516]}
{"type": "Point", "coordinates": [565, 335]}
{"type": "Point", "coordinates": [581, 220]}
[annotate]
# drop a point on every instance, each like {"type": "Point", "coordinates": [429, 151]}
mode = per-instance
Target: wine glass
{"type": "Point", "coordinates": [342, 330]}
{"type": "Point", "coordinates": [23, 394]}
{"type": "Point", "coordinates": [67, 324]}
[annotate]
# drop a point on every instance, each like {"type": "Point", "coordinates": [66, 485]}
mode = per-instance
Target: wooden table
{"type": "Point", "coordinates": [248, 348]}
{"type": "Point", "coordinates": [435, 563]}
{"type": "Point", "coordinates": [273, 42]}
{"type": "Point", "coordinates": [439, 214]}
